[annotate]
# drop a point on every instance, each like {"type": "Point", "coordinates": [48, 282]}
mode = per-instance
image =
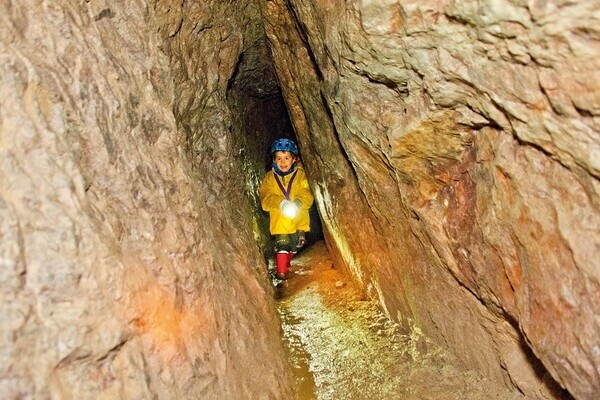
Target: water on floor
{"type": "Point", "coordinates": [342, 347]}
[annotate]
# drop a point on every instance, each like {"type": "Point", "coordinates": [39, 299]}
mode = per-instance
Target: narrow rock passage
{"type": "Point", "coordinates": [342, 347]}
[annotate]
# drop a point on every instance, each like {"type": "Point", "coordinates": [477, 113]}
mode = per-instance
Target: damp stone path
{"type": "Point", "coordinates": [343, 348]}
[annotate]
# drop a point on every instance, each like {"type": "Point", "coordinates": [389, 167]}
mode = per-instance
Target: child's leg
{"type": "Point", "coordinates": [282, 260]}
{"type": "Point", "coordinates": [283, 256]}
{"type": "Point", "coordinates": [299, 240]}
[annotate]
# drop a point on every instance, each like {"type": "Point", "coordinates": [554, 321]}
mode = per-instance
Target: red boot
{"type": "Point", "coordinates": [282, 260]}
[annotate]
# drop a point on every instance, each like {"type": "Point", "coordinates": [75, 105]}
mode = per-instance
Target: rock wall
{"type": "Point", "coordinates": [259, 117]}
{"type": "Point", "coordinates": [125, 272]}
{"type": "Point", "coordinates": [461, 139]}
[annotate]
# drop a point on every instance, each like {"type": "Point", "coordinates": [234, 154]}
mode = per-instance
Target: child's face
{"type": "Point", "coordinates": [284, 160]}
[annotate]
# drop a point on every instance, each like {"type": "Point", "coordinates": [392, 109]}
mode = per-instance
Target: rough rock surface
{"type": "Point", "coordinates": [461, 139]}
{"type": "Point", "coordinates": [124, 273]}
{"type": "Point", "coordinates": [344, 347]}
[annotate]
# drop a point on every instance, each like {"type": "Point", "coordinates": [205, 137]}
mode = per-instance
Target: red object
{"type": "Point", "coordinates": [282, 259]}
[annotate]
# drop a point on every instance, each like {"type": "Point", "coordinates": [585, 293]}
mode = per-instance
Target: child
{"type": "Point", "coordinates": [285, 194]}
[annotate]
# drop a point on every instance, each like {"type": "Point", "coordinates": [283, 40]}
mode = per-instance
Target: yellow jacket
{"type": "Point", "coordinates": [271, 196]}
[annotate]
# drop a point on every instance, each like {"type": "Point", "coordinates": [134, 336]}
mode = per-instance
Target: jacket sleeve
{"type": "Point", "coordinates": [303, 194]}
{"type": "Point", "coordinates": [269, 199]}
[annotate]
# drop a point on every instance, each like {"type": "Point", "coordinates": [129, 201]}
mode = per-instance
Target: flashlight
{"type": "Point", "coordinates": [290, 209]}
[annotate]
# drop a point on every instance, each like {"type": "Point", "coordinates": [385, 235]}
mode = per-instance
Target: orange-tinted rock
{"type": "Point", "coordinates": [123, 272]}
{"type": "Point", "coordinates": [461, 140]}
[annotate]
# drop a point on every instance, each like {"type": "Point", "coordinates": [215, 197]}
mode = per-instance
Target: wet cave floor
{"type": "Point", "coordinates": [342, 347]}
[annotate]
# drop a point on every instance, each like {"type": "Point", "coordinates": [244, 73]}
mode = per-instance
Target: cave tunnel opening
{"type": "Point", "coordinates": [260, 117]}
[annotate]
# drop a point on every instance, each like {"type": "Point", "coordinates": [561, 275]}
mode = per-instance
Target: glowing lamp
{"type": "Point", "coordinates": [290, 210]}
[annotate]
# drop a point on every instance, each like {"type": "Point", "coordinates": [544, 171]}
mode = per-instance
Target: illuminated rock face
{"type": "Point", "coordinates": [124, 273]}
{"type": "Point", "coordinates": [461, 139]}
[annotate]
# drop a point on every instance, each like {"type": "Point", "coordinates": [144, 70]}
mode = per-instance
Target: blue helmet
{"type": "Point", "coordinates": [284, 145]}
